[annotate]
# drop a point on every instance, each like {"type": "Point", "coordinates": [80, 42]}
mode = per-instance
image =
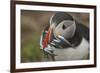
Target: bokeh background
{"type": "Point", "coordinates": [32, 23]}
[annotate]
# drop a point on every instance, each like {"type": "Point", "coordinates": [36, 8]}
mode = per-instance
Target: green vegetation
{"type": "Point", "coordinates": [30, 50]}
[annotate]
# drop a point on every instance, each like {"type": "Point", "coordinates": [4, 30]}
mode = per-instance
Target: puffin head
{"type": "Point", "coordinates": [63, 26]}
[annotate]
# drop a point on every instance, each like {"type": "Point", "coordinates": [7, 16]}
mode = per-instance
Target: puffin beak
{"type": "Point", "coordinates": [50, 33]}
{"type": "Point", "coordinates": [47, 38]}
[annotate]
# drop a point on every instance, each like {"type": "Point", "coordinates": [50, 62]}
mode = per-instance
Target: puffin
{"type": "Point", "coordinates": [65, 38]}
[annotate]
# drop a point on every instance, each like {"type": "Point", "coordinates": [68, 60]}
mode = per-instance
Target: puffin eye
{"type": "Point", "coordinates": [63, 27]}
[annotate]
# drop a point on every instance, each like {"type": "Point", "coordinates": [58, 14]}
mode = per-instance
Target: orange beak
{"type": "Point", "coordinates": [47, 38]}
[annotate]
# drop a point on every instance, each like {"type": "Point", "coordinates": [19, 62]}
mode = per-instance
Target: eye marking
{"type": "Point", "coordinates": [64, 27]}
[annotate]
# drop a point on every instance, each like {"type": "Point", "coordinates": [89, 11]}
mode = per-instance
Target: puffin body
{"type": "Point", "coordinates": [73, 53]}
{"type": "Point", "coordinates": [68, 39]}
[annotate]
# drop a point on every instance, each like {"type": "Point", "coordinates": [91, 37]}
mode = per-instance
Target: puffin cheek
{"type": "Point", "coordinates": [69, 32]}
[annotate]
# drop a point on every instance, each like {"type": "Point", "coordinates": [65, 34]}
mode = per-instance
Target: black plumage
{"type": "Point", "coordinates": [59, 17]}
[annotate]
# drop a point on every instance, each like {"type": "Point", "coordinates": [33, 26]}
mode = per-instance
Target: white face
{"type": "Point", "coordinates": [66, 29]}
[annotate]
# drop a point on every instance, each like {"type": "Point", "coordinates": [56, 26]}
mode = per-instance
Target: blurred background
{"type": "Point", "coordinates": [32, 23]}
